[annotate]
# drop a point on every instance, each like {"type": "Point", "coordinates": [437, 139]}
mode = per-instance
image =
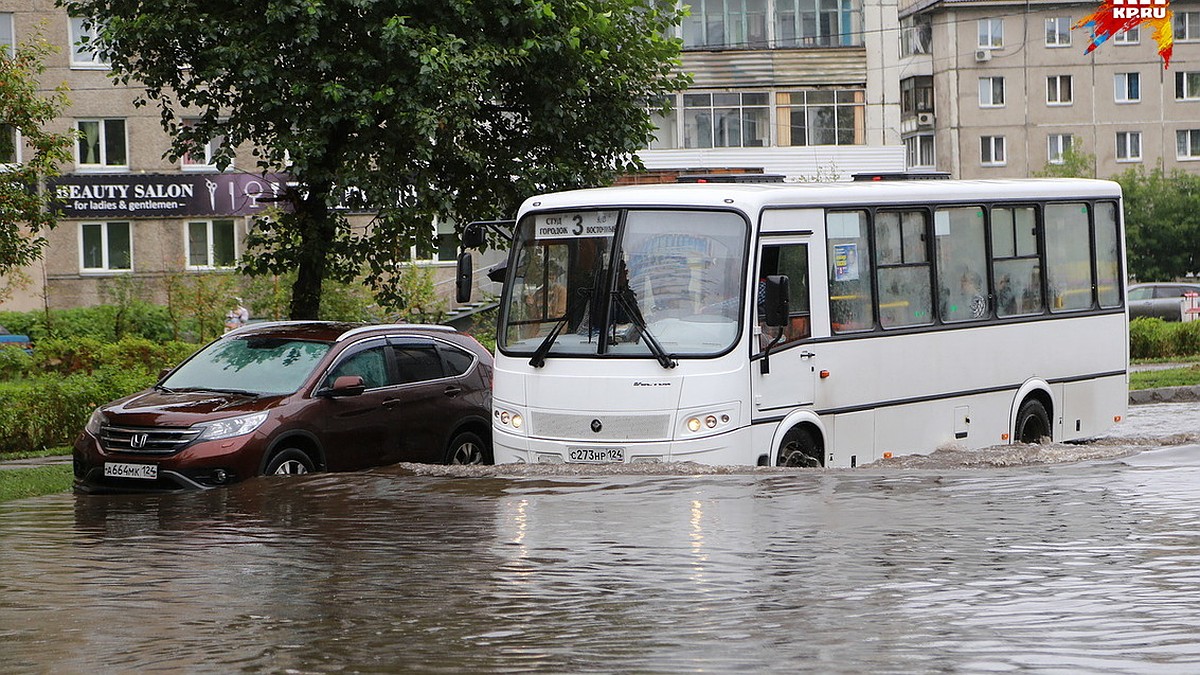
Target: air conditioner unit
{"type": "Point", "coordinates": [982, 55]}
{"type": "Point", "coordinates": [925, 119]}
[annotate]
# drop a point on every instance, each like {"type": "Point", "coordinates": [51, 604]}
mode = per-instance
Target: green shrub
{"type": "Point", "coordinates": [50, 411]}
{"type": "Point", "coordinates": [1150, 338]}
{"type": "Point", "coordinates": [1186, 338]}
{"type": "Point", "coordinates": [15, 363]}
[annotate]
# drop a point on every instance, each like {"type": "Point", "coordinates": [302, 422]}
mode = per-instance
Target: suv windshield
{"type": "Point", "coordinates": [671, 286]}
{"type": "Point", "coordinates": [258, 365]}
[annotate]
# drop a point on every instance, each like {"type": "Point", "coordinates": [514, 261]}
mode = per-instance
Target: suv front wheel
{"type": "Point", "coordinates": [289, 462]}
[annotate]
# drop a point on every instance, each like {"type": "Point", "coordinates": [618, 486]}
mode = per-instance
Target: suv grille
{"type": "Point", "coordinates": [146, 440]}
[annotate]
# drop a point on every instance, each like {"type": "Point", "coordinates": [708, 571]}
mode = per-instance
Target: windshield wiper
{"type": "Point", "coordinates": [539, 355]}
{"type": "Point", "coordinates": [239, 392]}
{"type": "Point", "coordinates": [161, 388]}
{"type": "Point", "coordinates": [635, 317]}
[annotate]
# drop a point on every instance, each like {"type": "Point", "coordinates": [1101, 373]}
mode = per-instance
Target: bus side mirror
{"type": "Point", "coordinates": [473, 235]}
{"type": "Point", "coordinates": [777, 301]}
{"type": "Point", "coordinates": [463, 278]}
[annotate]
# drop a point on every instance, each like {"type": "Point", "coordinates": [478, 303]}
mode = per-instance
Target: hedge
{"type": "Point", "coordinates": [64, 381]}
{"type": "Point", "coordinates": [1157, 339]}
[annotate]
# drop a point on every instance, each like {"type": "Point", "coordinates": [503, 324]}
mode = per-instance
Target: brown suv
{"type": "Point", "coordinates": [294, 397]}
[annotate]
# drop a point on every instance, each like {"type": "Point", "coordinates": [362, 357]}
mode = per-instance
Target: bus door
{"type": "Point", "coordinates": [791, 376]}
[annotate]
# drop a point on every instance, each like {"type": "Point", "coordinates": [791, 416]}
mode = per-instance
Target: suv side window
{"type": "Point", "coordinates": [417, 362]}
{"type": "Point", "coordinates": [456, 360]}
{"type": "Point", "coordinates": [369, 364]}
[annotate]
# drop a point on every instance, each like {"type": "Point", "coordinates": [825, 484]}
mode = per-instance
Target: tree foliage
{"type": "Point", "coordinates": [411, 109]}
{"type": "Point", "coordinates": [1162, 223]}
{"type": "Point", "coordinates": [26, 211]}
{"type": "Point", "coordinates": [1075, 164]}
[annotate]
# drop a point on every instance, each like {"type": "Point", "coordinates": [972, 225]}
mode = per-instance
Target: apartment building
{"type": "Point", "coordinates": [994, 89]}
{"type": "Point", "coordinates": [128, 212]}
{"type": "Point", "coordinates": [804, 88]}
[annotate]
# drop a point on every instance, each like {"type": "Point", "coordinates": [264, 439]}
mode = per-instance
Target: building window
{"type": "Point", "coordinates": [1058, 90]}
{"type": "Point", "coordinates": [1058, 32]}
{"type": "Point", "coordinates": [82, 54]}
{"type": "Point", "coordinates": [723, 24]}
{"type": "Point", "coordinates": [729, 120]}
{"type": "Point", "coordinates": [1129, 36]}
{"type": "Point", "coordinates": [918, 152]}
{"type": "Point", "coordinates": [815, 23]}
{"type": "Point", "coordinates": [1129, 146]}
{"type": "Point", "coordinates": [991, 151]}
{"type": "Point", "coordinates": [821, 117]}
{"type": "Point", "coordinates": [1128, 88]}
{"type": "Point", "coordinates": [666, 128]}
{"type": "Point", "coordinates": [991, 92]}
{"type": "Point", "coordinates": [443, 248]}
{"type": "Point", "coordinates": [105, 247]}
{"type": "Point", "coordinates": [202, 160]}
{"type": "Point", "coordinates": [8, 40]}
{"type": "Point", "coordinates": [10, 145]}
{"type": "Point", "coordinates": [211, 244]}
{"type": "Point", "coordinates": [1187, 144]}
{"type": "Point", "coordinates": [1057, 146]}
{"type": "Point", "coordinates": [101, 143]}
{"type": "Point", "coordinates": [916, 95]}
{"type": "Point", "coordinates": [1186, 26]}
{"type": "Point", "coordinates": [1187, 86]}
{"type": "Point", "coordinates": [916, 35]}
{"type": "Point", "coordinates": [991, 33]}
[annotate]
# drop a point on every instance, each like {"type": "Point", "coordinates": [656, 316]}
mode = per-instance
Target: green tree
{"type": "Point", "coordinates": [410, 109]}
{"type": "Point", "coordinates": [1162, 223]}
{"type": "Point", "coordinates": [1075, 164]}
{"type": "Point", "coordinates": [25, 209]}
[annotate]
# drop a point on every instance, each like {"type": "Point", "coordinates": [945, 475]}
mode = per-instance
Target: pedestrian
{"type": "Point", "coordinates": [237, 317]}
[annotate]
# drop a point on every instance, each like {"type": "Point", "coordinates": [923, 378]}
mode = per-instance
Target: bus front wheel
{"type": "Point", "coordinates": [1033, 422]}
{"type": "Point", "coordinates": [799, 448]}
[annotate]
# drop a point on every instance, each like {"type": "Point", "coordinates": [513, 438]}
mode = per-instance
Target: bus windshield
{"type": "Point", "coordinates": [672, 285]}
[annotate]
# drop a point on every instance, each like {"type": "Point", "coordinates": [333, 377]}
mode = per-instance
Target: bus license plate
{"type": "Point", "coordinates": [123, 470]}
{"type": "Point", "coordinates": [596, 455]}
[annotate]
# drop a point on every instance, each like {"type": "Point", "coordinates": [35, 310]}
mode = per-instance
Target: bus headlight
{"type": "Point", "coordinates": [509, 419]}
{"type": "Point", "coordinates": [706, 422]}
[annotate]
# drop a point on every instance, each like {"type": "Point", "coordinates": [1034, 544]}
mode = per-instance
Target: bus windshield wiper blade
{"type": "Point", "coordinates": [635, 316]}
{"type": "Point", "coordinates": [539, 355]}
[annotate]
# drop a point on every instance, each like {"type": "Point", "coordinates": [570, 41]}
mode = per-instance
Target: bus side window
{"type": "Point", "coordinates": [790, 260]}
{"type": "Point", "coordinates": [851, 300]}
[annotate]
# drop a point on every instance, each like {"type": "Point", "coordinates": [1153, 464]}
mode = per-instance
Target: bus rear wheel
{"type": "Point", "coordinates": [799, 449]}
{"type": "Point", "coordinates": [1033, 422]}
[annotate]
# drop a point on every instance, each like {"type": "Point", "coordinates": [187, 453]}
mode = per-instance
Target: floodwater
{"type": "Point", "coordinates": [1064, 558]}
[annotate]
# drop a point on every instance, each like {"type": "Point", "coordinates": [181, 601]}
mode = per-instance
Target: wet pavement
{"type": "Point", "coordinates": [1057, 558]}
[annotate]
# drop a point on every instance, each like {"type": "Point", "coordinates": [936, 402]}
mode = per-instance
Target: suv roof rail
{"type": "Point", "coordinates": [396, 326]}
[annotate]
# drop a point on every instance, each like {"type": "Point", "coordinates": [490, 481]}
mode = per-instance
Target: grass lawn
{"type": "Point", "coordinates": [34, 481]}
{"type": "Point", "coordinates": [1171, 377]}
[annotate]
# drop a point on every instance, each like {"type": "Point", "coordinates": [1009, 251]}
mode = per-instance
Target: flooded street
{"type": "Point", "coordinates": [962, 562]}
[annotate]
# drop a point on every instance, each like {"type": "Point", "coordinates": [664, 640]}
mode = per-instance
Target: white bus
{"type": "Point", "coordinates": [810, 324]}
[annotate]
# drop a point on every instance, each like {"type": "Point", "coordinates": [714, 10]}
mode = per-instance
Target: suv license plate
{"type": "Point", "coordinates": [123, 470]}
{"type": "Point", "coordinates": [596, 455]}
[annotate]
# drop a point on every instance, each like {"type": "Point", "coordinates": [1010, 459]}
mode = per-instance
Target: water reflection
{"type": "Point", "coordinates": [1087, 564]}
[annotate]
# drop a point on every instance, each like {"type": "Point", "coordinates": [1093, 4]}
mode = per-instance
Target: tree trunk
{"type": "Point", "coordinates": [316, 229]}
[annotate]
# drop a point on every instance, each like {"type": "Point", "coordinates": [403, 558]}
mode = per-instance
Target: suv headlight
{"type": "Point", "coordinates": [94, 422]}
{"type": "Point", "coordinates": [233, 426]}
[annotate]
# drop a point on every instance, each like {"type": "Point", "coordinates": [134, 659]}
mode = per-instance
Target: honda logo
{"type": "Point", "coordinates": [138, 440]}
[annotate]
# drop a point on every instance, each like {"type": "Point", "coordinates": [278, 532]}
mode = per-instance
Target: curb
{"type": "Point", "coordinates": [1164, 395]}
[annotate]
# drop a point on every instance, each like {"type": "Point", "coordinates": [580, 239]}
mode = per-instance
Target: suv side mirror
{"type": "Point", "coordinates": [462, 278]}
{"type": "Point", "coordinates": [346, 385]}
{"type": "Point", "coordinates": [776, 305]}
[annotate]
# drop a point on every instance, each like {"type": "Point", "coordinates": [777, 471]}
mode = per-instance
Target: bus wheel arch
{"type": "Point", "coordinates": [1033, 415]}
{"type": "Point", "coordinates": [799, 442]}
